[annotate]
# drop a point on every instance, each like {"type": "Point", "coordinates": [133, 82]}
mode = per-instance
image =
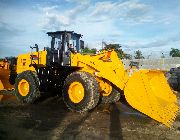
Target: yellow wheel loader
{"type": "Point", "coordinates": [86, 80]}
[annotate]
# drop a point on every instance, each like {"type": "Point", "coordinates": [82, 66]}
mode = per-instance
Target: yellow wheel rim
{"type": "Point", "coordinates": [76, 92]}
{"type": "Point", "coordinates": [108, 89]}
{"type": "Point", "coordinates": [23, 87]}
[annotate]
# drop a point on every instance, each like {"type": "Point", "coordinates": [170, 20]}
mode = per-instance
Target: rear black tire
{"type": "Point", "coordinates": [91, 93]}
{"type": "Point", "coordinates": [12, 77]}
{"type": "Point", "coordinates": [113, 97]}
{"type": "Point", "coordinates": [33, 81]}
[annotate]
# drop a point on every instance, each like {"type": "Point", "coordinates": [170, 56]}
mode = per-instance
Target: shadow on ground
{"type": "Point", "coordinates": [50, 119]}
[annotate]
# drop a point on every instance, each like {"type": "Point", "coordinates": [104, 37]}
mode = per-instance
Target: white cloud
{"type": "Point", "coordinates": [153, 44]}
{"type": "Point", "coordinates": [132, 22]}
{"type": "Point", "coordinates": [96, 21]}
{"type": "Point", "coordinates": [79, 1]}
{"type": "Point", "coordinates": [132, 11]}
{"type": "Point", "coordinates": [128, 11]}
{"type": "Point", "coordinates": [49, 8]}
{"type": "Point", "coordinates": [7, 31]}
{"type": "Point", "coordinates": [55, 18]}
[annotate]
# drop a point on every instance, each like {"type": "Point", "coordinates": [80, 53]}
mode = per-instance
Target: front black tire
{"type": "Point", "coordinates": [91, 93]}
{"type": "Point", "coordinates": [113, 97]}
{"type": "Point", "coordinates": [33, 82]}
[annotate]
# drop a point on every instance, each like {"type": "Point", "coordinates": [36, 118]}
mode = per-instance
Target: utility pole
{"type": "Point", "coordinates": [102, 44]}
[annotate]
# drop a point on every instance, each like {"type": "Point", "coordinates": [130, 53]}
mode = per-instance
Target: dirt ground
{"type": "Point", "coordinates": [51, 120]}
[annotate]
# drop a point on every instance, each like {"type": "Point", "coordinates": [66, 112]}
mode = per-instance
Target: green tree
{"type": "Point", "coordinates": [127, 56]}
{"type": "Point", "coordinates": [138, 55]}
{"type": "Point", "coordinates": [93, 50]}
{"type": "Point", "coordinates": [174, 52]}
{"type": "Point", "coordinates": [87, 50]}
{"type": "Point", "coordinates": [117, 48]}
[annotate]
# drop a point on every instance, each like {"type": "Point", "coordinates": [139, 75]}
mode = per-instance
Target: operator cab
{"type": "Point", "coordinates": [63, 43]}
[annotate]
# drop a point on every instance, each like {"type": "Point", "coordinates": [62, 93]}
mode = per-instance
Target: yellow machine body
{"type": "Point", "coordinates": [25, 61]}
{"type": "Point", "coordinates": [145, 90]}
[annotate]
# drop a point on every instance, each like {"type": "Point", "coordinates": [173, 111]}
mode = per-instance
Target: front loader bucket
{"type": "Point", "coordinates": [5, 86]}
{"type": "Point", "coordinates": [4, 77]}
{"type": "Point", "coordinates": [149, 92]}
{"type": "Point", "coordinates": [1, 88]}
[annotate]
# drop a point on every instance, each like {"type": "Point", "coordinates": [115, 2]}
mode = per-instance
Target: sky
{"type": "Point", "coordinates": [151, 26]}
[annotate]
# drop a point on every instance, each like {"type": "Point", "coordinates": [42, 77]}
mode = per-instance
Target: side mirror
{"type": "Point", "coordinates": [81, 44]}
{"type": "Point", "coordinates": [37, 48]}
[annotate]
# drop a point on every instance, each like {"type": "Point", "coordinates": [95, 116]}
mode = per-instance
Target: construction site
{"type": "Point", "coordinates": [60, 93]}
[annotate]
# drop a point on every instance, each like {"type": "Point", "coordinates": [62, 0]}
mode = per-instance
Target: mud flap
{"type": "Point", "coordinates": [148, 92]}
